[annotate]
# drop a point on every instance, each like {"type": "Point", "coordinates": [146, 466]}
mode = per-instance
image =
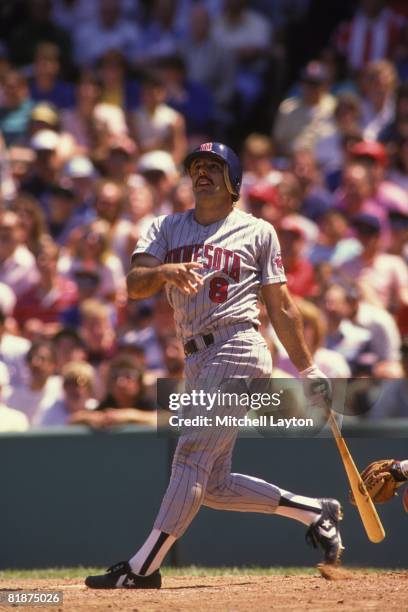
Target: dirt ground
{"type": "Point", "coordinates": [356, 590]}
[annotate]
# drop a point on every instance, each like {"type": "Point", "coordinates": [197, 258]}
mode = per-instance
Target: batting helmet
{"type": "Point", "coordinates": [232, 165]}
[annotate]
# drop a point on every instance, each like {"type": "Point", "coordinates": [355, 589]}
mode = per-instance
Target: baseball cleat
{"type": "Point", "coordinates": [325, 532]}
{"type": "Point", "coordinates": [120, 576]}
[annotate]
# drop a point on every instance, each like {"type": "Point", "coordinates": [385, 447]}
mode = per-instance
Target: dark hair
{"type": "Point", "coordinates": [152, 78]}
{"type": "Point", "coordinates": [172, 62]}
{"type": "Point", "coordinates": [68, 332]}
{"type": "Point", "coordinates": [36, 345]}
{"type": "Point", "coordinates": [122, 362]}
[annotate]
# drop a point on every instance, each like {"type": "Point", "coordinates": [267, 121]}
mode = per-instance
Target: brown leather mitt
{"type": "Point", "coordinates": [382, 478]}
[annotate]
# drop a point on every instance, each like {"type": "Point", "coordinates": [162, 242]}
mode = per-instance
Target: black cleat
{"type": "Point", "coordinates": [325, 531]}
{"type": "Point", "coordinates": [120, 576]}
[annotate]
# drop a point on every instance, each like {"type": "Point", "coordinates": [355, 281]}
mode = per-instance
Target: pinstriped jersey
{"type": "Point", "coordinates": [239, 254]}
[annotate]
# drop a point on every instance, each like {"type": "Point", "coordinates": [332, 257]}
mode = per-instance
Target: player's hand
{"type": "Point", "coordinates": [317, 388]}
{"type": "Point", "coordinates": [183, 276]}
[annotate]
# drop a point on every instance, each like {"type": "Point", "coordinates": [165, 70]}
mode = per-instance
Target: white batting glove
{"type": "Point", "coordinates": [316, 387]}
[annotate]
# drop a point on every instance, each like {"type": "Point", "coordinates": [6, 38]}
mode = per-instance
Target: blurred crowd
{"type": "Point", "coordinates": [99, 103]}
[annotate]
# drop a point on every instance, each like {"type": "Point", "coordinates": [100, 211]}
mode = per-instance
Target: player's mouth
{"type": "Point", "coordinates": [203, 181]}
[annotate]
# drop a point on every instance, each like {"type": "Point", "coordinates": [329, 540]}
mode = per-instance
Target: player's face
{"type": "Point", "coordinates": [207, 176]}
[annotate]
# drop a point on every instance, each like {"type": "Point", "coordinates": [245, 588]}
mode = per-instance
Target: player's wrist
{"type": "Point", "coordinates": [397, 472]}
{"type": "Point", "coordinates": [404, 467]}
{"type": "Point", "coordinates": [312, 371]}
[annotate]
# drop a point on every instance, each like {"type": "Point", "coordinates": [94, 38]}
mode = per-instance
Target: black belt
{"type": "Point", "coordinates": [191, 346]}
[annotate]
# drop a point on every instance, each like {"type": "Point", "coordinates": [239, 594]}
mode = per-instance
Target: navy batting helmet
{"type": "Point", "coordinates": [232, 165]}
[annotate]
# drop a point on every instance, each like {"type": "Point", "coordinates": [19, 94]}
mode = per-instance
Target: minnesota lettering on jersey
{"type": "Point", "coordinates": [214, 258]}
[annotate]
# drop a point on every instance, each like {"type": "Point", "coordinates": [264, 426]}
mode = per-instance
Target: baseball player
{"type": "Point", "coordinates": [213, 262]}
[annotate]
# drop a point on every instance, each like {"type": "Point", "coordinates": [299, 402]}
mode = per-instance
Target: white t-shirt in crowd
{"type": "Point", "coordinates": [34, 403]}
{"type": "Point", "coordinates": [12, 420]}
{"type": "Point", "coordinates": [13, 351]}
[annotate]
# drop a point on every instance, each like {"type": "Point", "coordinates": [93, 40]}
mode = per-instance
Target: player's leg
{"type": "Point", "coordinates": [242, 493]}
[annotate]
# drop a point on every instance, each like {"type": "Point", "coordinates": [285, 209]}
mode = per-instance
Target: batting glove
{"type": "Point", "coordinates": [316, 387]}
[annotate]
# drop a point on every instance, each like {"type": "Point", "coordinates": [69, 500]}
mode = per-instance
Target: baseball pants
{"type": "Point", "coordinates": [201, 469]}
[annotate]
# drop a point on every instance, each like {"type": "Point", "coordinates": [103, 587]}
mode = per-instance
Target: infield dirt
{"type": "Point", "coordinates": [356, 591]}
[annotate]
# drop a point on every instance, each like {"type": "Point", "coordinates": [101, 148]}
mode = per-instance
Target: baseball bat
{"type": "Point", "coordinates": [368, 513]}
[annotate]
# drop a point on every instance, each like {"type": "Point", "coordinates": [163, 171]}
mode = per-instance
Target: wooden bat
{"type": "Point", "coordinates": [368, 513]}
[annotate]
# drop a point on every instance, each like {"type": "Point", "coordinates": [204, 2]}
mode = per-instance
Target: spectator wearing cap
{"type": "Point", "coordinates": [32, 219]}
{"type": "Point", "coordinates": [299, 271]}
{"type": "Point", "coordinates": [92, 252]}
{"type": "Point", "coordinates": [333, 245]}
{"type": "Point", "coordinates": [46, 84]}
{"type": "Point", "coordinates": [109, 30]}
{"type": "Point", "coordinates": [46, 167]}
{"type": "Point", "coordinates": [13, 350]}
{"type": "Point", "coordinates": [160, 172]}
{"type": "Point", "coordinates": [44, 116]}
{"type": "Point", "coordinates": [274, 203]}
{"type": "Point", "coordinates": [382, 278]}
{"type": "Point", "coordinates": [81, 172]}
{"type": "Point", "coordinates": [61, 211]}
{"type": "Point", "coordinates": [386, 194]}
{"type": "Point", "coordinates": [399, 235]}
{"type": "Point", "coordinates": [378, 87]}
{"type": "Point", "coordinates": [17, 263]}
{"type": "Point", "coordinates": [141, 329]}
{"type": "Point", "coordinates": [156, 126]}
{"type": "Point", "coordinates": [16, 107]}
{"type": "Point", "coordinates": [43, 388]}
{"type": "Point", "coordinates": [316, 199]}
{"type": "Point", "coordinates": [264, 203]}
{"type": "Point", "coordinates": [78, 386]}
{"type": "Point", "coordinates": [120, 161]}
{"type": "Point", "coordinates": [301, 120]}
{"type": "Point", "coordinates": [10, 419]}
{"type": "Point", "coordinates": [51, 296]}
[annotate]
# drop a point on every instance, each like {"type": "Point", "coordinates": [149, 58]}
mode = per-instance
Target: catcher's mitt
{"type": "Point", "coordinates": [382, 479]}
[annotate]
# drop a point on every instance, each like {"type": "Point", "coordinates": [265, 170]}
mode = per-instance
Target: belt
{"type": "Point", "coordinates": [192, 347]}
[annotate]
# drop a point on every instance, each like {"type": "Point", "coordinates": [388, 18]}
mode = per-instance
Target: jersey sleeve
{"type": "Point", "coordinates": [270, 260]}
{"type": "Point", "coordinates": [153, 240]}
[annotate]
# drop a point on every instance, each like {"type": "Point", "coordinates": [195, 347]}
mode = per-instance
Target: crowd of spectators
{"type": "Point", "coordinates": [99, 104]}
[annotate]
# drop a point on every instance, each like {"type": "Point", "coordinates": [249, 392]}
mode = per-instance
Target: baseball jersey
{"type": "Point", "coordinates": [239, 254]}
